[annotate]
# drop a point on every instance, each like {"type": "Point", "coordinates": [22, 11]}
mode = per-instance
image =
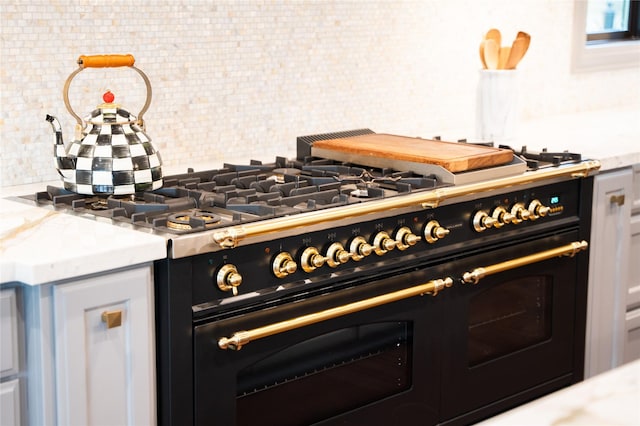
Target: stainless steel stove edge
{"type": "Point", "coordinates": [241, 235]}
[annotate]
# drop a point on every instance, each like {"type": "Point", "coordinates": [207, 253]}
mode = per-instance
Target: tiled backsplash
{"type": "Point", "coordinates": [242, 79]}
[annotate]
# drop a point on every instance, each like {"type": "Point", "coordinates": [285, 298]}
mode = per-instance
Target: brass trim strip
{"type": "Point", "coordinates": [477, 274]}
{"type": "Point", "coordinates": [241, 338]}
{"type": "Point", "coordinates": [230, 236]}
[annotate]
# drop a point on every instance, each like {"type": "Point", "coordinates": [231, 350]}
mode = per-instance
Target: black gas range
{"type": "Point", "coordinates": [294, 292]}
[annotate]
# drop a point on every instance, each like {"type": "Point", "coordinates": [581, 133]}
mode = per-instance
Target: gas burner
{"type": "Point", "coordinates": [280, 174]}
{"type": "Point", "coordinates": [100, 204]}
{"type": "Point", "coordinates": [191, 220]}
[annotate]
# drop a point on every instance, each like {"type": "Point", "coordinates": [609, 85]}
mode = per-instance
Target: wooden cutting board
{"type": "Point", "coordinates": [381, 150]}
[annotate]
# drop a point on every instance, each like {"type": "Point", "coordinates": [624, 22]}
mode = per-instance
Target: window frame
{"type": "Point", "coordinates": [631, 33]}
{"type": "Point", "coordinates": [602, 54]}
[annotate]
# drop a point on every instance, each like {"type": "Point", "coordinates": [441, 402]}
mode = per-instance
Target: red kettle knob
{"type": "Point", "coordinates": [108, 97]}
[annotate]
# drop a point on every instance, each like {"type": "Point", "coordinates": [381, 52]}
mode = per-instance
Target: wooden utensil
{"type": "Point", "coordinates": [527, 38]}
{"type": "Point", "coordinates": [491, 54]}
{"type": "Point", "coordinates": [505, 52]}
{"type": "Point", "coordinates": [518, 49]}
{"type": "Point", "coordinates": [484, 64]}
{"type": "Point", "coordinates": [522, 34]}
{"type": "Point", "coordinates": [494, 34]}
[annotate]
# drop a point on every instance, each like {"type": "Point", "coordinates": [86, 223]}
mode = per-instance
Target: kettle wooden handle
{"type": "Point", "coordinates": [106, 61]}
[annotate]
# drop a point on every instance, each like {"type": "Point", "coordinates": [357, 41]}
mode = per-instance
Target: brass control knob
{"type": "Point", "coordinates": [502, 217]}
{"type": "Point", "coordinates": [283, 265]}
{"type": "Point", "coordinates": [337, 255]}
{"type": "Point", "coordinates": [360, 248]}
{"type": "Point", "coordinates": [433, 231]}
{"type": "Point", "coordinates": [228, 278]}
{"type": "Point", "coordinates": [520, 213]}
{"type": "Point", "coordinates": [537, 209]}
{"type": "Point", "coordinates": [383, 243]}
{"type": "Point", "coordinates": [311, 259]}
{"type": "Point", "coordinates": [405, 238]}
{"type": "Point", "coordinates": [482, 221]}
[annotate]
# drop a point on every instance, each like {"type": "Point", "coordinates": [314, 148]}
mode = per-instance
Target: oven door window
{"type": "Point", "coordinates": [508, 317]}
{"type": "Point", "coordinates": [349, 367]}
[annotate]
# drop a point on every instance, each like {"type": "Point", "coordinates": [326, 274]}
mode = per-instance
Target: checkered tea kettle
{"type": "Point", "coordinates": [111, 153]}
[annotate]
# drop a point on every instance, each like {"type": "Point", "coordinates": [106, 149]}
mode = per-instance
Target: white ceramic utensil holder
{"type": "Point", "coordinates": [496, 105]}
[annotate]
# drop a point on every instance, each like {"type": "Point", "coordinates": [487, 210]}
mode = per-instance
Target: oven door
{"type": "Point", "coordinates": [516, 326]}
{"type": "Point", "coordinates": [348, 356]}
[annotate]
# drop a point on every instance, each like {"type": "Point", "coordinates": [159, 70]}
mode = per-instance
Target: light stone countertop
{"type": "Point", "coordinates": [611, 398]}
{"type": "Point", "coordinates": [39, 245]}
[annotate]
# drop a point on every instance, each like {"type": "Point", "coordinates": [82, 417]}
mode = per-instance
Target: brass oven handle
{"type": "Point", "coordinates": [567, 250]}
{"type": "Point", "coordinates": [241, 338]}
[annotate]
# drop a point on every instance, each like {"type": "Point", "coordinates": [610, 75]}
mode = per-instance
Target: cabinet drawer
{"type": "Point", "coordinates": [10, 403]}
{"type": "Point", "coordinates": [104, 349]}
{"type": "Point", "coordinates": [9, 363]}
{"type": "Point", "coordinates": [608, 271]}
{"type": "Point", "coordinates": [632, 336]}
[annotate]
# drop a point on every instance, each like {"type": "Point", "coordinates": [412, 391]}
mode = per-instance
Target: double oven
{"type": "Point", "coordinates": [445, 311]}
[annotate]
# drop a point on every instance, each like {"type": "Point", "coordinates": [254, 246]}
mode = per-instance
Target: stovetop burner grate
{"type": "Point", "coordinates": [242, 193]}
{"type": "Point", "coordinates": [544, 158]}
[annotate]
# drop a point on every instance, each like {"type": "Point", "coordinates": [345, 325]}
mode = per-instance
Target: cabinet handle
{"type": "Point", "coordinates": [617, 199]}
{"type": "Point", "coordinates": [112, 318]}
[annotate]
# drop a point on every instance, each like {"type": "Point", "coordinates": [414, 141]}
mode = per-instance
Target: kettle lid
{"type": "Point", "coordinates": [110, 113]}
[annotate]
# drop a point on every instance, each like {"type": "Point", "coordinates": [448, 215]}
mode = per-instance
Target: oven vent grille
{"type": "Point", "coordinates": [304, 143]}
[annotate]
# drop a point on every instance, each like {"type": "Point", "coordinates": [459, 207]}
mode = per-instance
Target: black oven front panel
{"type": "Point", "coordinates": [473, 349]}
{"type": "Point", "coordinates": [516, 334]}
{"type": "Point", "coordinates": [310, 259]}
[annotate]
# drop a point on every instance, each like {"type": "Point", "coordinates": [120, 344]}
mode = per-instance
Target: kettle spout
{"type": "Point", "coordinates": [55, 124]}
{"type": "Point", "coordinates": [64, 163]}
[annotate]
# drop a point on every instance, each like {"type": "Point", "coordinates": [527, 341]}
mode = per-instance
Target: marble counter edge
{"type": "Point", "coordinates": [619, 161]}
{"type": "Point", "coordinates": [39, 246]}
{"type": "Point", "coordinates": [608, 398]}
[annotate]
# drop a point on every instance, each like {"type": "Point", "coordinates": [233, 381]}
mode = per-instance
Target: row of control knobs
{"type": "Point", "coordinates": [228, 278]}
{"type": "Point", "coordinates": [358, 248]}
{"type": "Point", "coordinates": [500, 216]}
